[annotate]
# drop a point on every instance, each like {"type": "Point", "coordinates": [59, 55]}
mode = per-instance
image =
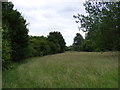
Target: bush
{"type": "Point", "coordinates": [6, 48]}
{"type": "Point", "coordinates": [39, 46]}
{"type": "Point", "coordinates": [87, 45]}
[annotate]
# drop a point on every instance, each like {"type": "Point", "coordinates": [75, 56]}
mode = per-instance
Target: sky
{"type": "Point", "coordinates": [46, 16]}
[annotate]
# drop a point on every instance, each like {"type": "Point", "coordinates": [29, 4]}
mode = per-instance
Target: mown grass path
{"type": "Point", "coordinates": [66, 70]}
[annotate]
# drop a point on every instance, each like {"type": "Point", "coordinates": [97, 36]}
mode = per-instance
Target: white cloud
{"type": "Point", "coordinates": [45, 16]}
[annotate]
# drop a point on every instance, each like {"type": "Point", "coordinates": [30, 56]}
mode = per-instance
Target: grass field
{"type": "Point", "coordinates": [67, 70]}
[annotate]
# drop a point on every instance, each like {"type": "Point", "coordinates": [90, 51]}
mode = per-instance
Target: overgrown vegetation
{"type": "Point", "coordinates": [66, 70]}
{"type": "Point", "coordinates": [102, 24]}
{"type": "Point", "coordinates": [88, 69]}
{"type": "Point", "coordinates": [18, 45]}
{"type": "Point", "coordinates": [40, 45]}
{"type": "Point", "coordinates": [14, 34]}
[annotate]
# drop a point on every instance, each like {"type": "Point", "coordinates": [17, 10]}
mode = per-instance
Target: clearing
{"type": "Point", "coordinates": [66, 70]}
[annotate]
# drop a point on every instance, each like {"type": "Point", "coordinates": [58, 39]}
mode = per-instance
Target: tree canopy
{"type": "Point", "coordinates": [78, 39]}
{"type": "Point", "coordinates": [14, 35]}
{"type": "Point", "coordinates": [17, 31]}
{"type": "Point", "coordinates": [57, 41]}
{"type": "Point", "coordinates": [102, 24]}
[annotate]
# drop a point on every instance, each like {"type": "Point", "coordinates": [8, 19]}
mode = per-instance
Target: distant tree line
{"type": "Point", "coordinates": [52, 44]}
{"type": "Point", "coordinates": [102, 25]}
{"type": "Point", "coordinates": [18, 45]}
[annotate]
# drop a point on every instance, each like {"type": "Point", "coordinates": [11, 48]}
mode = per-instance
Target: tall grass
{"type": "Point", "coordinates": [67, 70]}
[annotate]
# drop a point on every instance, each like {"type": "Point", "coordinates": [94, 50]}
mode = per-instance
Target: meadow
{"type": "Point", "coordinates": [65, 70]}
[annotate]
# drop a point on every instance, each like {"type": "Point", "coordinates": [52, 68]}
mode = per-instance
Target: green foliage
{"type": "Point", "coordinates": [87, 46]}
{"type": "Point", "coordinates": [14, 36]}
{"type": "Point", "coordinates": [66, 70]}
{"type": "Point", "coordinates": [57, 42]}
{"type": "Point", "coordinates": [77, 44]}
{"type": "Point", "coordinates": [102, 24]}
{"type": "Point", "coordinates": [17, 45]}
{"type": "Point", "coordinates": [55, 47]}
{"type": "Point", "coordinates": [40, 45]}
{"type": "Point", "coordinates": [18, 32]}
{"type": "Point", "coordinates": [78, 39]}
{"type": "Point", "coordinates": [6, 48]}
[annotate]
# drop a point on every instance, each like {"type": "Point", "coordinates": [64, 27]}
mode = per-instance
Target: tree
{"type": "Point", "coordinates": [56, 39]}
{"type": "Point", "coordinates": [87, 45]}
{"type": "Point", "coordinates": [39, 46]}
{"type": "Point", "coordinates": [78, 39]}
{"type": "Point", "coordinates": [17, 31]}
{"type": "Point", "coordinates": [102, 24]}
